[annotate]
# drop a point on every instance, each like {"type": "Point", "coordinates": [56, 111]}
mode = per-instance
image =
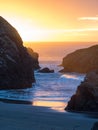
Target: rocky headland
{"type": "Point", "coordinates": [81, 61]}
{"type": "Point", "coordinates": [86, 96]}
{"type": "Point", "coordinates": [16, 69]}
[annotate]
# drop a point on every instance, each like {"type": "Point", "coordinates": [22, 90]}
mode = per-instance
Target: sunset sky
{"type": "Point", "coordinates": [53, 20]}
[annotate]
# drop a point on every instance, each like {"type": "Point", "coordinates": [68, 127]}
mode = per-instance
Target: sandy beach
{"type": "Point", "coordinates": [28, 117]}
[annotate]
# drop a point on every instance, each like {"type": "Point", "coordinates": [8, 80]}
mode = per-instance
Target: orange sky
{"type": "Point", "coordinates": [53, 20]}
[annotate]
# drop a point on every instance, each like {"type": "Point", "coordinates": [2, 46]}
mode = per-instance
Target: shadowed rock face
{"type": "Point", "coordinates": [82, 61]}
{"type": "Point", "coordinates": [34, 57]}
{"type": "Point", "coordinates": [15, 62]}
{"type": "Point", "coordinates": [86, 97]}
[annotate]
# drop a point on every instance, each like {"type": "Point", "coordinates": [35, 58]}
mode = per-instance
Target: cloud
{"type": "Point", "coordinates": [69, 30]}
{"type": "Point", "coordinates": [80, 30]}
{"type": "Point", "coordinates": [88, 18]}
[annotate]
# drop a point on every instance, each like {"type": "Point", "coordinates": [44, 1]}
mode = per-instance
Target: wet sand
{"type": "Point", "coordinates": [28, 117]}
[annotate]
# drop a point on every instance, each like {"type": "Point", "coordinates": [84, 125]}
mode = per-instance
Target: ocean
{"type": "Point", "coordinates": [50, 90]}
{"type": "Point", "coordinates": [55, 51]}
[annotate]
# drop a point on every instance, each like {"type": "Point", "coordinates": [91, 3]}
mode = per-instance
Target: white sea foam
{"type": "Point", "coordinates": [70, 81]}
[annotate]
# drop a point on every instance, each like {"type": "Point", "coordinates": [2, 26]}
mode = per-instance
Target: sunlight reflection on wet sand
{"type": "Point", "coordinates": [58, 106]}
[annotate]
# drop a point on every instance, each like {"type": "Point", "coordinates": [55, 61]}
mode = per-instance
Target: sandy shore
{"type": "Point", "coordinates": [28, 117]}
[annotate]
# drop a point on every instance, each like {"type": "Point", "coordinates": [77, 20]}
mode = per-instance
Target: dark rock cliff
{"type": "Point", "coordinates": [15, 62]}
{"type": "Point", "coordinates": [34, 57]}
{"type": "Point", "coordinates": [82, 61]}
{"type": "Point", "coordinates": [86, 97]}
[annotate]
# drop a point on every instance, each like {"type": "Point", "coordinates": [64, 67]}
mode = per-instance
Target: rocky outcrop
{"type": "Point", "coordinates": [46, 70]}
{"type": "Point", "coordinates": [82, 61]}
{"type": "Point", "coordinates": [86, 97]}
{"type": "Point", "coordinates": [34, 57]}
{"type": "Point", "coordinates": [15, 62]}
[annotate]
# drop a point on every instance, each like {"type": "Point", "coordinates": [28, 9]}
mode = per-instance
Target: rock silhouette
{"type": "Point", "coordinates": [46, 70]}
{"type": "Point", "coordinates": [34, 56]}
{"type": "Point", "coordinates": [15, 62]}
{"type": "Point", "coordinates": [86, 97]}
{"type": "Point", "coordinates": [82, 61]}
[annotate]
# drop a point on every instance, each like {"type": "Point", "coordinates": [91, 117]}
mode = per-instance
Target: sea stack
{"type": "Point", "coordinates": [46, 70]}
{"type": "Point", "coordinates": [86, 96]}
{"type": "Point", "coordinates": [15, 62]}
{"type": "Point", "coordinates": [82, 60]}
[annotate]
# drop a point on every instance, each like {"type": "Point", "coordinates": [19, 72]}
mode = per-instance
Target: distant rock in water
{"type": "Point", "coordinates": [46, 70]}
{"type": "Point", "coordinates": [82, 61]}
{"type": "Point", "coordinates": [35, 57]}
{"type": "Point", "coordinates": [15, 62]}
{"type": "Point", "coordinates": [86, 97]}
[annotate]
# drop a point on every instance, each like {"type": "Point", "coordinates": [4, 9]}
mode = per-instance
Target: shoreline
{"type": "Point", "coordinates": [24, 102]}
{"type": "Point", "coordinates": [13, 101]}
{"type": "Point", "coordinates": [29, 117]}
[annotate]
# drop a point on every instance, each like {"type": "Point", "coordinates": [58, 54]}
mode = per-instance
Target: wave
{"type": "Point", "coordinates": [52, 87]}
{"type": "Point", "coordinates": [70, 81]}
